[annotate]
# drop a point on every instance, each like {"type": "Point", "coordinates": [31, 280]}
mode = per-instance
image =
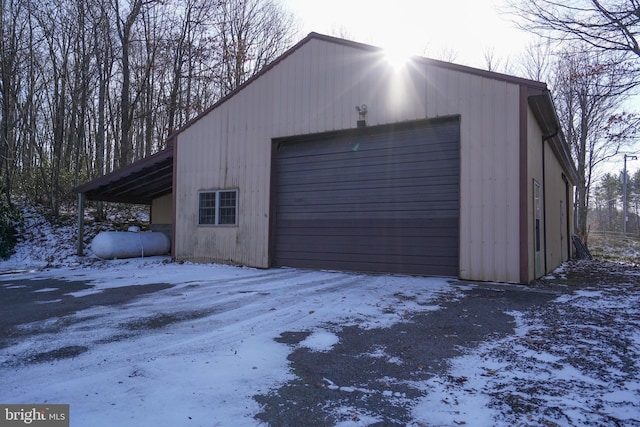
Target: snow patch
{"type": "Point", "coordinates": [320, 340]}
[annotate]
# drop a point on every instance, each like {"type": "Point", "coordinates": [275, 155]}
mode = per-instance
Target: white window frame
{"type": "Point", "coordinates": [217, 208]}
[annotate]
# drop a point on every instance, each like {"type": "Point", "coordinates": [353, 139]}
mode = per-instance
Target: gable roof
{"type": "Point", "coordinates": [152, 176]}
{"type": "Point", "coordinates": [363, 47]}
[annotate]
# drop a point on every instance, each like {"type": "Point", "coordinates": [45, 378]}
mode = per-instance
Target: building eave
{"type": "Point", "coordinates": [544, 111]}
{"type": "Point", "coordinates": [138, 183]}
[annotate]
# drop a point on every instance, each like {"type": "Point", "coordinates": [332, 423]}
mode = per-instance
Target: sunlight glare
{"type": "Point", "coordinates": [397, 57]}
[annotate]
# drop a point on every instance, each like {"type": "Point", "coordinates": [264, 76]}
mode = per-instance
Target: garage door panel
{"type": "Point", "coordinates": [443, 184]}
{"type": "Point", "coordinates": [360, 148]}
{"type": "Point", "coordinates": [386, 259]}
{"type": "Point", "coordinates": [437, 267]}
{"type": "Point", "coordinates": [355, 226]}
{"type": "Point", "coordinates": [397, 186]}
{"type": "Point", "coordinates": [371, 158]}
{"type": "Point", "coordinates": [403, 141]}
{"type": "Point", "coordinates": [373, 211]}
{"type": "Point", "coordinates": [364, 214]}
{"type": "Point", "coordinates": [381, 201]}
{"type": "Point", "coordinates": [343, 207]}
{"type": "Point", "coordinates": [371, 163]}
{"type": "Point", "coordinates": [369, 246]}
{"type": "Point", "coordinates": [380, 197]}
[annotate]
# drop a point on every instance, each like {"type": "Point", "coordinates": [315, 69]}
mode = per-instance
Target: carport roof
{"type": "Point", "coordinates": [139, 182]}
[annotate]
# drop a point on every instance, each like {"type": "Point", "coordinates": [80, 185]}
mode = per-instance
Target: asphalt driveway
{"type": "Point", "coordinates": [229, 345]}
{"type": "Point", "coordinates": [25, 301]}
{"type": "Point", "coordinates": [415, 350]}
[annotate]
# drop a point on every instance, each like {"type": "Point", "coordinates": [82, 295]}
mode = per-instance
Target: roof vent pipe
{"type": "Point", "coordinates": [362, 115]}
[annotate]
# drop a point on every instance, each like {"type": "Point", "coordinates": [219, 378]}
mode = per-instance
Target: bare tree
{"type": "Point", "coordinates": [57, 26]}
{"type": "Point", "coordinates": [103, 57]}
{"type": "Point", "coordinates": [252, 33]}
{"type": "Point", "coordinates": [13, 24]}
{"type": "Point", "coordinates": [491, 61]}
{"type": "Point", "coordinates": [589, 93]}
{"type": "Point", "coordinates": [446, 54]}
{"type": "Point", "coordinates": [185, 53]}
{"type": "Point", "coordinates": [125, 26]}
{"type": "Point", "coordinates": [76, 150]}
{"type": "Point", "coordinates": [89, 85]}
{"type": "Point", "coordinates": [609, 26]}
{"type": "Point", "coordinates": [536, 61]}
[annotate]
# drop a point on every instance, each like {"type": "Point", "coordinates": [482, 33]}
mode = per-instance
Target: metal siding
{"type": "Point", "coordinates": [489, 208]}
{"type": "Point", "coordinates": [161, 209]}
{"type": "Point", "coordinates": [385, 202]}
{"type": "Point", "coordinates": [556, 225]}
{"type": "Point", "coordinates": [554, 192]}
{"type": "Point", "coordinates": [511, 147]}
{"type": "Point", "coordinates": [472, 198]}
{"type": "Point", "coordinates": [315, 90]}
{"type": "Point", "coordinates": [469, 200]}
{"type": "Point", "coordinates": [534, 166]}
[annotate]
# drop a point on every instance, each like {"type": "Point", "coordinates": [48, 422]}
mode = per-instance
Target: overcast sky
{"type": "Point", "coordinates": [464, 28]}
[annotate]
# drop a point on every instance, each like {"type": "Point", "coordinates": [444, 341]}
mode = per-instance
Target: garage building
{"type": "Point", "coordinates": [335, 158]}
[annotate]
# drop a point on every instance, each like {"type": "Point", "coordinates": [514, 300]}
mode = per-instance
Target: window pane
{"type": "Point", "coordinates": [227, 213]}
{"type": "Point", "coordinates": [207, 210]}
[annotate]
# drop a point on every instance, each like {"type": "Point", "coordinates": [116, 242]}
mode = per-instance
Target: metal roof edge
{"type": "Point", "coordinates": [250, 80]}
{"type": "Point", "coordinates": [361, 46]}
{"type": "Point", "coordinates": [544, 110]}
{"type": "Point", "coordinates": [120, 173]}
{"type": "Point", "coordinates": [436, 63]}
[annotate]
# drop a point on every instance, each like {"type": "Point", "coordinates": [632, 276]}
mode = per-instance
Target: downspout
{"type": "Point", "coordinates": [174, 197]}
{"type": "Point", "coordinates": [567, 216]}
{"type": "Point", "coordinates": [545, 138]}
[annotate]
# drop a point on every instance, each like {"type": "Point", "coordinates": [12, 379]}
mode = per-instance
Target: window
{"type": "Point", "coordinates": [218, 207]}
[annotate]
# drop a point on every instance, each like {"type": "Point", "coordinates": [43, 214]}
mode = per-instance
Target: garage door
{"type": "Point", "coordinates": [380, 199]}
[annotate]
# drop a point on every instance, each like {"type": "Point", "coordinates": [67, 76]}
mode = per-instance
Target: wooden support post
{"type": "Point", "coordinates": [80, 224]}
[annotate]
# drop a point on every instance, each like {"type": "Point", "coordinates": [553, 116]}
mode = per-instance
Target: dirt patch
{"type": "Point", "coordinates": [162, 320]}
{"type": "Point", "coordinates": [59, 353]}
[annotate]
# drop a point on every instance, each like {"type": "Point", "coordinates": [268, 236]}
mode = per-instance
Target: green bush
{"type": "Point", "coordinates": [9, 220]}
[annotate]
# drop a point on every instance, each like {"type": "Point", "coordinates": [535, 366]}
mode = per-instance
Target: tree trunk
{"type": "Point", "coordinates": [125, 153]}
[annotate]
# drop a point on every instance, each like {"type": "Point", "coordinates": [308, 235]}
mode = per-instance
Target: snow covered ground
{"type": "Point", "coordinates": [573, 364]}
{"type": "Point", "coordinates": [197, 352]}
{"type": "Point", "coordinates": [200, 371]}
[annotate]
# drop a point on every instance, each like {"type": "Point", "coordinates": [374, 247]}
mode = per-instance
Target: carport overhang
{"type": "Point", "coordinates": [138, 183]}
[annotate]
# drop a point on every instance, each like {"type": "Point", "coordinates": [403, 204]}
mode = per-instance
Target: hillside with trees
{"type": "Point", "coordinates": [88, 86]}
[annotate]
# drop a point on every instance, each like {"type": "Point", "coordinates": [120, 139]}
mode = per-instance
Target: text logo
{"type": "Point", "coordinates": [34, 415]}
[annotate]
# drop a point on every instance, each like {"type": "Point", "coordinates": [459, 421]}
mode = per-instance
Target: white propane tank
{"type": "Point", "coordinates": [125, 244]}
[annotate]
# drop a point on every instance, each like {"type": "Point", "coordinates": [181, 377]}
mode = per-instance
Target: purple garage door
{"type": "Point", "coordinates": [380, 199]}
